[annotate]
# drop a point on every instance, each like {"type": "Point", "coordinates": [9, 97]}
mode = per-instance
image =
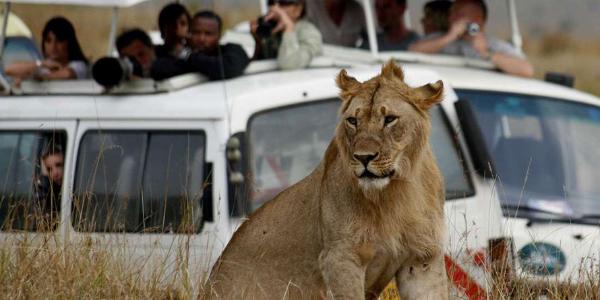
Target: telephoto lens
{"type": "Point", "coordinates": [112, 71]}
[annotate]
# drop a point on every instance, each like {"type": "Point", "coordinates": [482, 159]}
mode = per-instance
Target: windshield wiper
{"type": "Point", "coordinates": [590, 217]}
{"type": "Point", "coordinates": [532, 209]}
{"type": "Point", "coordinates": [555, 216]}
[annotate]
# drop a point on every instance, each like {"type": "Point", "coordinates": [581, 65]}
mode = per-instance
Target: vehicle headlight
{"type": "Point", "coordinates": [542, 259]}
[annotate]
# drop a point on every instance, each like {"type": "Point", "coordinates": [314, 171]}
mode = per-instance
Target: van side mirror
{"type": "Point", "coordinates": [234, 158]}
{"type": "Point", "coordinates": [237, 168]}
{"type": "Point", "coordinates": [480, 154]}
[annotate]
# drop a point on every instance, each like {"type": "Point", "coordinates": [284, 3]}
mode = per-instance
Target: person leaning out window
{"type": "Point", "coordinates": [63, 58]}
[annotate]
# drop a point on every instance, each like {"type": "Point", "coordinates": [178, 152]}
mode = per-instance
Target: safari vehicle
{"type": "Point", "coordinates": [153, 166]}
{"type": "Point", "coordinates": [530, 143]}
{"type": "Point", "coordinates": [533, 142]}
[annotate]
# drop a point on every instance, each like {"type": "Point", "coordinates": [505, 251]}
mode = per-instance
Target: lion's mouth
{"type": "Point", "coordinates": [368, 175]}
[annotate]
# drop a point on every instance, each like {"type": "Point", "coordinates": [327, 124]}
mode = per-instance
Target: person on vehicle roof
{"type": "Point", "coordinates": [435, 16]}
{"type": "Point", "coordinates": [136, 45]}
{"type": "Point", "coordinates": [285, 34]}
{"type": "Point", "coordinates": [341, 22]}
{"type": "Point", "coordinates": [395, 35]}
{"type": "Point", "coordinates": [467, 37]}
{"type": "Point", "coordinates": [63, 58]}
{"type": "Point", "coordinates": [173, 23]}
{"type": "Point", "coordinates": [207, 56]}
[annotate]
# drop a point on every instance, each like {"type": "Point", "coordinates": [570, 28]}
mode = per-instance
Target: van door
{"type": "Point", "coordinates": [144, 190]}
{"type": "Point", "coordinates": [35, 161]}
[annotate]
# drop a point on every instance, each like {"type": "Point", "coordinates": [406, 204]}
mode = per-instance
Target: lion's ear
{"type": "Point", "coordinates": [345, 82]}
{"type": "Point", "coordinates": [429, 94]}
{"type": "Point", "coordinates": [390, 70]}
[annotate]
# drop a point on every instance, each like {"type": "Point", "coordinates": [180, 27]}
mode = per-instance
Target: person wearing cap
{"type": "Point", "coordinates": [474, 43]}
{"type": "Point", "coordinates": [293, 40]}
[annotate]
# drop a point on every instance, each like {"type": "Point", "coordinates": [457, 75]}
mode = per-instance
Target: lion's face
{"type": "Point", "coordinates": [384, 125]}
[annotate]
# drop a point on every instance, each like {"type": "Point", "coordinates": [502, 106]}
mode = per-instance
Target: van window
{"type": "Point", "coordinates": [29, 195]}
{"type": "Point", "coordinates": [134, 181]}
{"type": "Point", "coordinates": [544, 151]}
{"type": "Point", "coordinates": [286, 144]}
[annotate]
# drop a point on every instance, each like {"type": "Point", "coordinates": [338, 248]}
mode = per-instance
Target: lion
{"type": "Point", "coordinates": [371, 212]}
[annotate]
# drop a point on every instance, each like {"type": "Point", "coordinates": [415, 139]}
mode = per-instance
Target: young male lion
{"type": "Point", "coordinates": [370, 212]}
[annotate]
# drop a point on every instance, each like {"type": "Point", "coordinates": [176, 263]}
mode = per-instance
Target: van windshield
{"type": "Point", "coordinates": [287, 143]}
{"type": "Point", "coordinates": [545, 152]}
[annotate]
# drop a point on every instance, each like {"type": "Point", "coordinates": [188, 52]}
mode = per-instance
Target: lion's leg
{"type": "Point", "coordinates": [343, 272]}
{"type": "Point", "coordinates": [423, 281]}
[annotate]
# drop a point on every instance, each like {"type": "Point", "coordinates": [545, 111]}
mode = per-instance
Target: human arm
{"type": "Point", "coordinates": [166, 67]}
{"type": "Point", "coordinates": [512, 65]}
{"type": "Point", "coordinates": [25, 69]}
{"type": "Point", "coordinates": [231, 62]}
{"type": "Point", "coordinates": [76, 69]}
{"type": "Point", "coordinates": [504, 57]}
{"type": "Point", "coordinates": [21, 69]}
{"type": "Point", "coordinates": [436, 44]}
{"type": "Point", "coordinates": [257, 40]}
{"type": "Point", "coordinates": [299, 47]}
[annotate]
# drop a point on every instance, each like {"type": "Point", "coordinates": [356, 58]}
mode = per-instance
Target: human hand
{"type": "Point", "coordinates": [253, 27]}
{"type": "Point", "coordinates": [457, 29]}
{"type": "Point", "coordinates": [51, 65]}
{"type": "Point", "coordinates": [284, 22]}
{"type": "Point", "coordinates": [480, 44]}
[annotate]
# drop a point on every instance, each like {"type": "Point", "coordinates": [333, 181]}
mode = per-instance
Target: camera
{"type": "Point", "coordinates": [265, 28]}
{"type": "Point", "coordinates": [472, 29]}
{"type": "Point", "coordinates": [112, 71]}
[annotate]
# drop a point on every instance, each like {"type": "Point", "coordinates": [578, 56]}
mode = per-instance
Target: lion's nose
{"type": "Point", "coordinates": [365, 158]}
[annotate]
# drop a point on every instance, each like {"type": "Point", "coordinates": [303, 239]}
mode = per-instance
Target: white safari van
{"type": "Point", "coordinates": [150, 167]}
{"type": "Point", "coordinates": [529, 144]}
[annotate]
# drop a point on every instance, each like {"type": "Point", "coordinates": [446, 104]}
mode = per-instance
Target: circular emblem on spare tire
{"type": "Point", "coordinates": [542, 258]}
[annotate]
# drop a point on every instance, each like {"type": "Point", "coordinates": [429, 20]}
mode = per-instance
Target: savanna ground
{"type": "Point", "coordinates": [39, 268]}
{"type": "Point", "coordinates": [42, 270]}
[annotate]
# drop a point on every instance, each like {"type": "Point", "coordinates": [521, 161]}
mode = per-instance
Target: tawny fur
{"type": "Point", "coordinates": [331, 236]}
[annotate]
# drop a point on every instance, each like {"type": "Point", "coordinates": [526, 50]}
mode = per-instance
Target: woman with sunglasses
{"type": "Point", "coordinates": [284, 34]}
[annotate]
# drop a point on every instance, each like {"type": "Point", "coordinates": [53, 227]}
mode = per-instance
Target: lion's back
{"type": "Point", "coordinates": [276, 250]}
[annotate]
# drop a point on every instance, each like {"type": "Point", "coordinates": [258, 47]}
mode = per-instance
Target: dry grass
{"type": "Point", "coordinates": [36, 268]}
{"type": "Point", "coordinates": [39, 269]}
{"type": "Point", "coordinates": [559, 52]}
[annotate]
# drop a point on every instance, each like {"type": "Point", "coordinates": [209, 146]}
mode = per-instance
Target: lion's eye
{"type": "Point", "coordinates": [351, 121]}
{"type": "Point", "coordinates": [389, 119]}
